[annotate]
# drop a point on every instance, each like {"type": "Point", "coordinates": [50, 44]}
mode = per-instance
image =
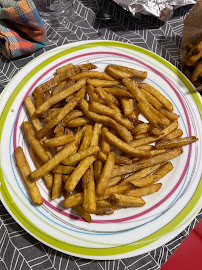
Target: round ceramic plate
{"type": "Point", "coordinates": [128, 232]}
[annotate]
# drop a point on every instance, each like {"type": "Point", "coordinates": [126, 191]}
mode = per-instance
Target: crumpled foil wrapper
{"type": "Point", "coordinates": [162, 9]}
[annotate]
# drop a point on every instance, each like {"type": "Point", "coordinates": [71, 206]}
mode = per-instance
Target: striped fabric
{"type": "Point", "coordinates": [22, 30]}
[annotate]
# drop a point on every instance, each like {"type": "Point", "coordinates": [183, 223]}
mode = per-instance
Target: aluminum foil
{"type": "Point", "coordinates": [162, 9]}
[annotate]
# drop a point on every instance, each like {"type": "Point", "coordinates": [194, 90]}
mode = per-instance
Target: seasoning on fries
{"type": "Point", "coordinates": [88, 141]}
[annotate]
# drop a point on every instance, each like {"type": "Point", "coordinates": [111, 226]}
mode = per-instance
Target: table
{"type": "Point", "coordinates": [19, 250]}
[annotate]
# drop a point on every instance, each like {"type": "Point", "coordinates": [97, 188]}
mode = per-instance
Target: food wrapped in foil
{"type": "Point", "coordinates": [162, 9]}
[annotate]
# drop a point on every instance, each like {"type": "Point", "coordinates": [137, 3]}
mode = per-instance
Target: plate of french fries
{"type": "Point", "coordinates": [100, 149]}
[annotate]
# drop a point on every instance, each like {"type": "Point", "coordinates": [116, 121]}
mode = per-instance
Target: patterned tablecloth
{"type": "Point", "coordinates": [19, 250]}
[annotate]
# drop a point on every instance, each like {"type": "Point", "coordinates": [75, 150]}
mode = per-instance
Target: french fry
{"type": "Point", "coordinates": [104, 210]}
{"type": "Point", "coordinates": [48, 178]}
{"type": "Point", "coordinates": [127, 107]}
{"type": "Point", "coordinates": [156, 176]}
{"type": "Point", "coordinates": [61, 169]}
{"type": "Point", "coordinates": [177, 133]}
{"type": "Point", "coordinates": [101, 83]}
{"type": "Point", "coordinates": [151, 99]}
{"type": "Point", "coordinates": [105, 174]}
{"type": "Point", "coordinates": [124, 146]}
{"type": "Point", "coordinates": [89, 193]}
{"type": "Point", "coordinates": [70, 116]}
{"type": "Point", "coordinates": [141, 128]}
{"type": "Point", "coordinates": [79, 122]}
{"type": "Point", "coordinates": [166, 103]}
{"type": "Point", "coordinates": [25, 171]}
{"type": "Point", "coordinates": [105, 110]}
{"type": "Point", "coordinates": [52, 115]}
{"type": "Point", "coordinates": [87, 138]}
{"type": "Point", "coordinates": [98, 166]}
{"type": "Point", "coordinates": [65, 110]}
{"type": "Point", "coordinates": [151, 139]}
{"type": "Point", "coordinates": [61, 140]}
{"type": "Point", "coordinates": [31, 110]}
{"type": "Point", "coordinates": [73, 200]}
{"type": "Point", "coordinates": [77, 174]}
{"type": "Point", "coordinates": [117, 74]}
{"type": "Point", "coordinates": [105, 147]}
{"type": "Point", "coordinates": [80, 210]}
{"type": "Point", "coordinates": [135, 73]}
{"type": "Point", "coordinates": [96, 134]}
{"type": "Point", "coordinates": [118, 92]}
{"type": "Point", "coordinates": [59, 87]}
{"type": "Point", "coordinates": [144, 190]}
{"type": "Point", "coordinates": [175, 142]}
{"type": "Point", "coordinates": [197, 72]}
{"type": "Point", "coordinates": [170, 115]}
{"type": "Point", "coordinates": [102, 119]}
{"type": "Point", "coordinates": [38, 96]}
{"type": "Point", "coordinates": [57, 186]}
{"type": "Point", "coordinates": [73, 159]}
{"type": "Point", "coordinates": [92, 74]}
{"type": "Point", "coordinates": [126, 201]}
{"type": "Point", "coordinates": [34, 142]}
{"type": "Point", "coordinates": [140, 174]}
{"type": "Point", "coordinates": [114, 181]}
{"type": "Point", "coordinates": [53, 162]}
{"type": "Point", "coordinates": [106, 96]}
{"type": "Point", "coordinates": [60, 96]}
{"type": "Point", "coordinates": [117, 189]}
{"type": "Point", "coordinates": [125, 169]}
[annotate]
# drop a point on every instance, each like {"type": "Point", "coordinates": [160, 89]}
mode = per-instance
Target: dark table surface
{"type": "Point", "coordinates": [145, 31]}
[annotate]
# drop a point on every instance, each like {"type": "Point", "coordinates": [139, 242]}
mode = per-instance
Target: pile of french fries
{"type": "Point", "coordinates": [88, 141]}
{"type": "Point", "coordinates": [193, 62]}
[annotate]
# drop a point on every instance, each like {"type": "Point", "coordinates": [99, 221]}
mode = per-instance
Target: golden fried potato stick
{"type": "Point", "coordinates": [101, 83]}
{"type": "Point", "coordinates": [57, 186]}
{"type": "Point", "coordinates": [151, 99]}
{"type": "Point", "coordinates": [74, 199]}
{"type": "Point", "coordinates": [61, 140]}
{"type": "Point", "coordinates": [38, 96]}
{"type": "Point", "coordinates": [135, 73]}
{"type": "Point", "coordinates": [104, 144]}
{"type": "Point", "coordinates": [89, 193]}
{"type": "Point", "coordinates": [166, 103]}
{"type": "Point", "coordinates": [72, 115]}
{"type": "Point", "coordinates": [98, 166]}
{"type": "Point", "coordinates": [117, 74]}
{"type": "Point", "coordinates": [34, 142]}
{"type": "Point", "coordinates": [79, 122]}
{"type": "Point", "coordinates": [106, 96]}
{"type": "Point", "coordinates": [193, 59]}
{"type": "Point", "coordinates": [48, 178]}
{"type": "Point", "coordinates": [144, 190]}
{"type": "Point", "coordinates": [104, 210]}
{"type": "Point", "coordinates": [126, 106]}
{"type": "Point", "coordinates": [60, 96]}
{"type": "Point", "coordinates": [31, 110]}
{"type": "Point", "coordinates": [77, 68]}
{"type": "Point", "coordinates": [140, 174]}
{"type": "Point", "coordinates": [141, 128]}
{"type": "Point", "coordinates": [79, 171]}
{"type": "Point", "coordinates": [25, 171]}
{"type": "Point", "coordinates": [170, 115]}
{"type": "Point", "coordinates": [65, 68]}
{"type": "Point", "coordinates": [117, 189]}
{"type": "Point", "coordinates": [151, 139]}
{"type": "Point", "coordinates": [92, 74]}
{"type": "Point", "coordinates": [65, 110]}
{"type": "Point", "coordinates": [118, 92]}
{"type": "Point", "coordinates": [52, 115]}
{"type": "Point", "coordinates": [61, 169]}
{"type": "Point", "coordinates": [87, 138]}
{"type": "Point", "coordinates": [114, 181]}
{"type": "Point", "coordinates": [144, 163]}
{"type": "Point", "coordinates": [80, 210]}
{"type": "Point", "coordinates": [177, 142]}
{"type": "Point", "coordinates": [53, 162]}
{"type": "Point", "coordinates": [177, 133]}
{"type": "Point", "coordinates": [96, 134]}
{"type": "Point", "coordinates": [197, 72]}
{"type": "Point", "coordinates": [59, 87]}
{"type": "Point", "coordinates": [102, 119]}
{"type": "Point", "coordinates": [105, 174]}
{"type": "Point", "coordinates": [105, 110]}
{"type": "Point", "coordinates": [156, 176]}
{"type": "Point", "coordinates": [126, 201]}
{"type": "Point", "coordinates": [124, 146]}
{"type": "Point", "coordinates": [81, 154]}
